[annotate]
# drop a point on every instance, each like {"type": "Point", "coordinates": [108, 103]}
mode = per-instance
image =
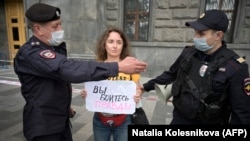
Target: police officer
{"type": "Point", "coordinates": [45, 74]}
{"type": "Point", "coordinates": [210, 83]}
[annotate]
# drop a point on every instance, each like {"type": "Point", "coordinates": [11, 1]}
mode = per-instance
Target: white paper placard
{"type": "Point", "coordinates": [107, 96]}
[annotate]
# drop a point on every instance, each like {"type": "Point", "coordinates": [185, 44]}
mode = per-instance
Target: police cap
{"type": "Point", "coordinates": [41, 12]}
{"type": "Point", "coordinates": [211, 19]}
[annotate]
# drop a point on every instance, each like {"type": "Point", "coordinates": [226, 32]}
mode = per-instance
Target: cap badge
{"type": "Point", "coordinates": [47, 54]}
{"type": "Point", "coordinates": [202, 15]}
{"type": "Point", "coordinates": [57, 13]}
{"type": "Point", "coordinates": [247, 86]}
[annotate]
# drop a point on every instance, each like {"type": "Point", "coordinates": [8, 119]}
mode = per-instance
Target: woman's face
{"type": "Point", "coordinates": [114, 45]}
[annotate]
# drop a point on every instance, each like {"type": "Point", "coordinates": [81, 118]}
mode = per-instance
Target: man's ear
{"type": "Point", "coordinates": [220, 34]}
{"type": "Point", "coordinates": [37, 29]}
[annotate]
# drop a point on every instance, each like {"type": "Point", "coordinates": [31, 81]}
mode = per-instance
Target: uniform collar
{"type": "Point", "coordinates": [36, 40]}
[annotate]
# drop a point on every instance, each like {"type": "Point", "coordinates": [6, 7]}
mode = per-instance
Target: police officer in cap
{"type": "Point", "coordinates": [210, 83]}
{"type": "Point", "coordinates": [46, 75]}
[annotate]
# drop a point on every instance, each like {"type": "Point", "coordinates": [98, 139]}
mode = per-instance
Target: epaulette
{"type": "Point", "coordinates": [240, 60]}
{"type": "Point", "coordinates": [35, 43]}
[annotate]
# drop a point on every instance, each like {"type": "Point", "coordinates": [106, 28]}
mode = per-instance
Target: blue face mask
{"type": "Point", "coordinates": [57, 38]}
{"type": "Point", "coordinates": [201, 44]}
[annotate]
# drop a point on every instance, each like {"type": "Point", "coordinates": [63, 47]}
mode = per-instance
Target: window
{"type": "Point", "coordinates": [229, 7]}
{"type": "Point", "coordinates": [136, 19]}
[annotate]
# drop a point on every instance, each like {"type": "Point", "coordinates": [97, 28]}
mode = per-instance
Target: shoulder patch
{"type": "Point", "coordinates": [47, 54]}
{"type": "Point", "coordinates": [247, 86]}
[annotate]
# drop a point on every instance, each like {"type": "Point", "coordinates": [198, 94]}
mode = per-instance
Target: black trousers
{"type": "Point", "coordinates": [66, 135]}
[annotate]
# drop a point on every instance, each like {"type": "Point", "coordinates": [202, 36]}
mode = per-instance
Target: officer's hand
{"type": "Point", "coordinates": [142, 89]}
{"type": "Point", "coordinates": [131, 65]}
{"type": "Point", "coordinates": [72, 112]}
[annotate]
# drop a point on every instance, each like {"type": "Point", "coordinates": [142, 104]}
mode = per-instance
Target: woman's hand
{"type": "Point", "coordinates": [137, 98]}
{"type": "Point", "coordinates": [83, 93]}
{"type": "Point", "coordinates": [138, 94]}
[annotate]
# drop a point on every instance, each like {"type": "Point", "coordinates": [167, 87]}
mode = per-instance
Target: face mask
{"type": "Point", "coordinates": [201, 44]}
{"type": "Point", "coordinates": [57, 37]}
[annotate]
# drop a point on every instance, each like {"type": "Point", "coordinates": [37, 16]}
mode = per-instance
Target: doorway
{"type": "Point", "coordinates": [16, 28]}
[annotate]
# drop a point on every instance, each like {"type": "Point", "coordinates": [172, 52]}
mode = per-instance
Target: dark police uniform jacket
{"type": "Point", "coordinates": [45, 74]}
{"type": "Point", "coordinates": [233, 75]}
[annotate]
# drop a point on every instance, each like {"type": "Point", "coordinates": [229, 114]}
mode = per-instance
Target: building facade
{"type": "Point", "coordinates": [84, 21]}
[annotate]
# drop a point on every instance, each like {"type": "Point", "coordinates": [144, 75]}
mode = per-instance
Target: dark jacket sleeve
{"type": "Point", "coordinates": [30, 61]}
{"type": "Point", "coordinates": [239, 91]}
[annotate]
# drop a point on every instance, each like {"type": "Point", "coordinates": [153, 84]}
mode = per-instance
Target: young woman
{"type": "Point", "coordinates": [113, 46]}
